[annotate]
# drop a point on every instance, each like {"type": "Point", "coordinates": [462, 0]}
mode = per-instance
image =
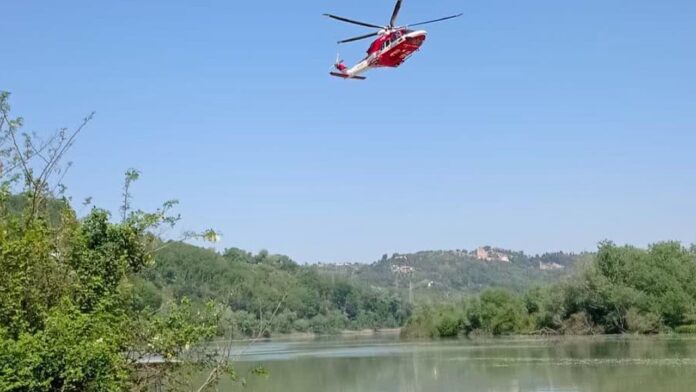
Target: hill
{"type": "Point", "coordinates": [260, 288]}
{"type": "Point", "coordinates": [443, 273]}
{"type": "Point", "coordinates": [14, 206]}
{"type": "Point", "coordinates": [266, 288]}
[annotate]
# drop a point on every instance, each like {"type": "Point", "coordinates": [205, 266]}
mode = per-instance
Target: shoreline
{"type": "Point", "coordinates": [396, 332]}
{"type": "Point", "coordinates": [346, 333]}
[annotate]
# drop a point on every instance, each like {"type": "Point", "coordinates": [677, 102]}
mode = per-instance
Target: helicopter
{"type": "Point", "coordinates": [394, 45]}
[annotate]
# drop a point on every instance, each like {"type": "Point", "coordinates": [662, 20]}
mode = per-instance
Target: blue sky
{"type": "Point", "coordinates": [535, 125]}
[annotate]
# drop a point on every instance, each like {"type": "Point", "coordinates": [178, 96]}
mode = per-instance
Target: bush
{"type": "Point", "coordinates": [301, 325]}
{"type": "Point", "coordinates": [74, 352]}
{"type": "Point", "coordinates": [284, 321]}
{"type": "Point", "coordinates": [686, 329]}
{"type": "Point", "coordinates": [643, 322]}
{"type": "Point", "coordinates": [448, 326]}
{"type": "Point", "coordinates": [502, 312]}
{"type": "Point", "coordinates": [420, 325]}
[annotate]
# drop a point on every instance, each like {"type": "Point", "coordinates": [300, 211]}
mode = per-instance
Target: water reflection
{"type": "Point", "coordinates": [509, 365]}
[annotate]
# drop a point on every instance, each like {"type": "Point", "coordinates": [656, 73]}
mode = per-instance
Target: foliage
{"type": "Point", "coordinates": [251, 286]}
{"type": "Point", "coordinates": [686, 329]}
{"type": "Point", "coordinates": [438, 274]}
{"type": "Point", "coordinates": [75, 313]}
{"type": "Point", "coordinates": [501, 312]}
{"type": "Point", "coordinates": [654, 284]}
{"type": "Point", "coordinates": [435, 322]}
{"type": "Point", "coordinates": [622, 290]}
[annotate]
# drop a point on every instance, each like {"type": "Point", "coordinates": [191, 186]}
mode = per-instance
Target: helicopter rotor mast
{"type": "Point", "coordinates": [383, 29]}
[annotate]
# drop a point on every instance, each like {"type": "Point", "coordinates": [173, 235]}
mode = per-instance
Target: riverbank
{"type": "Point", "coordinates": [396, 333]}
{"type": "Point", "coordinates": [363, 333]}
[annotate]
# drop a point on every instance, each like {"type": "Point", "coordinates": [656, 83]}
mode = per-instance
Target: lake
{"type": "Point", "coordinates": [635, 364]}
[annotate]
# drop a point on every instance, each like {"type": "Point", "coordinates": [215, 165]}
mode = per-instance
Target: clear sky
{"type": "Point", "coordinates": [532, 125]}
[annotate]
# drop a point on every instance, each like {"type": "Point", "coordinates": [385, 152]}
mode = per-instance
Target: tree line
{"type": "Point", "coordinates": [264, 288]}
{"type": "Point", "coordinates": [621, 289]}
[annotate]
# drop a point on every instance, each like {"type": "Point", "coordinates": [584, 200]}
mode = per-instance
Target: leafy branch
{"type": "Point", "coordinates": [32, 160]}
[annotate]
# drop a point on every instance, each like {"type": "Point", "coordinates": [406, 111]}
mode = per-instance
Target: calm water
{"type": "Point", "coordinates": [639, 364]}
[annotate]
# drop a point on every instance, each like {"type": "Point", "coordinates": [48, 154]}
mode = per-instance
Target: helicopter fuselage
{"type": "Point", "coordinates": [389, 50]}
{"type": "Point", "coordinates": [394, 44]}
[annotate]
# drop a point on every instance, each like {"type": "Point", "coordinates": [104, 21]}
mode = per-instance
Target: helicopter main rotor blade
{"type": "Point", "coordinates": [342, 19]}
{"type": "Point", "coordinates": [435, 20]}
{"type": "Point", "coordinates": [358, 38]}
{"type": "Point", "coordinates": [395, 14]}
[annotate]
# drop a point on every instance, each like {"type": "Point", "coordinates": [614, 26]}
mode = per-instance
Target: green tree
{"type": "Point", "coordinates": [67, 315]}
{"type": "Point", "coordinates": [502, 312]}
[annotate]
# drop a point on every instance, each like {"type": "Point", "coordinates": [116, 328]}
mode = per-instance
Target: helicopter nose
{"type": "Point", "coordinates": [416, 37]}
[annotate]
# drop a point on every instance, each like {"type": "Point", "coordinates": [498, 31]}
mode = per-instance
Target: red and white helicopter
{"type": "Point", "coordinates": [393, 46]}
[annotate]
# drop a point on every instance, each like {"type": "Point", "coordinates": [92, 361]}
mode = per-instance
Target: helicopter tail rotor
{"type": "Point", "coordinates": [338, 64]}
{"type": "Point", "coordinates": [341, 71]}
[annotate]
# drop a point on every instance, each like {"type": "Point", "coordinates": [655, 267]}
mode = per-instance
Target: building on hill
{"type": "Point", "coordinates": [402, 269]}
{"type": "Point", "coordinates": [486, 253]}
{"type": "Point", "coordinates": [550, 266]}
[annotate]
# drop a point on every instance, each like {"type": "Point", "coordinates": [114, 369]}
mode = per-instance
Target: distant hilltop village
{"type": "Point", "coordinates": [403, 264]}
{"type": "Point", "coordinates": [486, 253]}
{"type": "Point", "coordinates": [466, 270]}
